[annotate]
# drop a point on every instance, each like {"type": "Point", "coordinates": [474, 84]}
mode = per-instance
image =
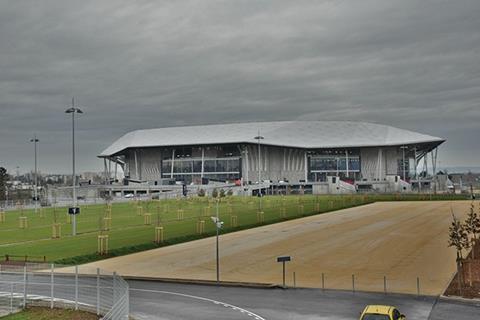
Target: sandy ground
{"type": "Point", "coordinates": [397, 240]}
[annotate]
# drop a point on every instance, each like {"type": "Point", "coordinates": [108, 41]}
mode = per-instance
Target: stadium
{"type": "Point", "coordinates": [318, 156]}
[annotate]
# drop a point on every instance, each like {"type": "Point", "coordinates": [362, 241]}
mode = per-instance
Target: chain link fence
{"type": "Point", "coordinates": [55, 286]}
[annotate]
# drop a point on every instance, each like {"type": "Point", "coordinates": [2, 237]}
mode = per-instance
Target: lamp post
{"type": "Point", "coordinates": [218, 226]}
{"type": "Point", "coordinates": [35, 194]}
{"type": "Point", "coordinates": [72, 110]}
{"type": "Point", "coordinates": [258, 138]}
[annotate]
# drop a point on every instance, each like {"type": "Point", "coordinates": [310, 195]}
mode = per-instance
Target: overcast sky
{"type": "Point", "coordinates": [146, 64]}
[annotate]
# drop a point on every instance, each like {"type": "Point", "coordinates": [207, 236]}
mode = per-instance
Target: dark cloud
{"type": "Point", "coordinates": [143, 64]}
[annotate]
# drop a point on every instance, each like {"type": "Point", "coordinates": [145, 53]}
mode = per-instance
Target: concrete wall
{"type": "Point", "coordinates": [378, 163]}
{"type": "Point", "coordinates": [147, 166]}
{"type": "Point", "coordinates": [276, 164]}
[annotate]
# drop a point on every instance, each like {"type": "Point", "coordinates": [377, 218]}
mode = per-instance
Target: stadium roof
{"type": "Point", "coordinates": [295, 134]}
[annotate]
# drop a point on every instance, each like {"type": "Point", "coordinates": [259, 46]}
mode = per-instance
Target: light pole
{"type": "Point", "coordinates": [258, 138]}
{"type": "Point", "coordinates": [72, 110]}
{"type": "Point", "coordinates": [218, 226]}
{"type": "Point", "coordinates": [35, 194]}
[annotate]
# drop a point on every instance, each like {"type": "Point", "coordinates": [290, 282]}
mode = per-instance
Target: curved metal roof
{"type": "Point", "coordinates": [295, 134]}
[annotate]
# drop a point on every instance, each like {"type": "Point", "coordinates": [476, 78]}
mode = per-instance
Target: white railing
{"type": "Point", "coordinates": [48, 285]}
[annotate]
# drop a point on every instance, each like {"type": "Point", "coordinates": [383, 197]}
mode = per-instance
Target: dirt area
{"type": "Point", "coordinates": [39, 313]}
{"type": "Point", "coordinates": [401, 241]}
{"type": "Point", "coordinates": [470, 269]}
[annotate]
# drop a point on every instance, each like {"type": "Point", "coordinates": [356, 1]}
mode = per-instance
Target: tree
{"type": "Point", "coordinates": [222, 193]}
{"type": "Point", "coordinates": [458, 238]}
{"type": "Point", "coordinates": [472, 227]}
{"type": "Point", "coordinates": [3, 182]}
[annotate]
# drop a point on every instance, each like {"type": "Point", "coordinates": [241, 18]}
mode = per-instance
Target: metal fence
{"type": "Point", "coordinates": [79, 288]}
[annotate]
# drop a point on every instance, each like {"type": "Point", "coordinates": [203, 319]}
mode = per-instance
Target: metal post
{"type": "Point", "coordinates": [353, 283]}
{"type": "Point", "coordinates": [217, 245]}
{"type": "Point", "coordinates": [35, 193]}
{"type": "Point", "coordinates": [74, 182]}
{"type": "Point", "coordinates": [283, 263]}
{"type": "Point", "coordinates": [52, 267]}
{"type": "Point", "coordinates": [24, 287]}
{"type": "Point", "coordinates": [11, 297]}
{"type": "Point", "coordinates": [76, 287]}
{"type": "Point", "coordinates": [259, 160]}
{"type": "Point", "coordinates": [114, 289]}
{"type": "Point", "coordinates": [98, 291]}
{"type": "Point", "coordinates": [294, 280]}
{"type": "Point", "coordinates": [323, 281]}
{"type": "Point", "coordinates": [418, 286]}
{"type": "Point", "coordinates": [385, 284]}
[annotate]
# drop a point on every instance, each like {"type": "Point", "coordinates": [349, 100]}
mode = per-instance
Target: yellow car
{"type": "Point", "coordinates": [377, 312]}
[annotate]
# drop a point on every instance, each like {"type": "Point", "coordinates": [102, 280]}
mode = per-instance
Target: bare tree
{"type": "Point", "coordinates": [458, 238]}
{"type": "Point", "coordinates": [472, 227]}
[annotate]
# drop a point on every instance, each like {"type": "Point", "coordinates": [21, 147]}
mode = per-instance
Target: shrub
{"type": "Point", "coordinates": [201, 193]}
{"type": "Point", "coordinates": [215, 193]}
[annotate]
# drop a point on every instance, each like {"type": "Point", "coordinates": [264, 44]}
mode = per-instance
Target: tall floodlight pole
{"type": "Point", "coordinates": [218, 226]}
{"type": "Point", "coordinates": [72, 110]}
{"type": "Point", "coordinates": [217, 245]}
{"type": "Point", "coordinates": [258, 138]}
{"type": "Point", "coordinates": [35, 194]}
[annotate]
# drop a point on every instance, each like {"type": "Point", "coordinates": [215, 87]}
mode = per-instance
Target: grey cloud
{"type": "Point", "coordinates": [411, 64]}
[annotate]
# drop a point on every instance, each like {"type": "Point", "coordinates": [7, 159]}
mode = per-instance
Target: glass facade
{"type": "Point", "coordinates": [225, 165]}
{"type": "Point", "coordinates": [215, 169]}
{"type": "Point", "coordinates": [334, 164]}
{"type": "Point", "coordinates": [342, 163]}
{"type": "Point", "coordinates": [221, 163]}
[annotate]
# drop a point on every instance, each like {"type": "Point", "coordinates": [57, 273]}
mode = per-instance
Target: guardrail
{"type": "Point", "coordinates": [100, 292]}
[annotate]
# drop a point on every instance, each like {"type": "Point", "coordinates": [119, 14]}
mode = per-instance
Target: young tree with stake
{"type": "Point", "coordinates": [472, 227]}
{"type": "Point", "coordinates": [458, 238]}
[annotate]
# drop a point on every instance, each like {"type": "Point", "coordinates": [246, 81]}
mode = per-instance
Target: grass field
{"type": "Point", "coordinates": [179, 218]}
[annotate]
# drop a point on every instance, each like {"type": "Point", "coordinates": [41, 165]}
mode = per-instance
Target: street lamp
{"type": "Point", "coordinates": [74, 211]}
{"type": "Point", "coordinates": [258, 138]}
{"type": "Point", "coordinates": [218, 226]}
{"type": "Point", "coordinates": [35, 195]}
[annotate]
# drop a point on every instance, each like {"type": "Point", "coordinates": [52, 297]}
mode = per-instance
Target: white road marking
{"type": "Point", "coordinates": [227, 305]}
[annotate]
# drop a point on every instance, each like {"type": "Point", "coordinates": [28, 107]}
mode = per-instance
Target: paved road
{"type": "Point", "coordinates": [153, 300]}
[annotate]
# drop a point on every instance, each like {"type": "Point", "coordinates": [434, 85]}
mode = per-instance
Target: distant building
{"type": "Point", "coordinates": [364, 155]}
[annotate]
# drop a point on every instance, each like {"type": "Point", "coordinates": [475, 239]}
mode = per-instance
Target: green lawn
{"type": "Point", "coordinates": [128, 228]}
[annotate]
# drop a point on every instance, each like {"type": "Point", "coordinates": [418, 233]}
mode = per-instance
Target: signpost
{"type": "Point", "coordinates": [284, 259]}
{"type": "Point", "coordinates": [74, 210]}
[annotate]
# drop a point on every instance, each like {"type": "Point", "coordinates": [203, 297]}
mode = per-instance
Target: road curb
{"type": "Point", "coordinates": [204, 282]}
{"type": "Point", "coordinates": [472, 301]}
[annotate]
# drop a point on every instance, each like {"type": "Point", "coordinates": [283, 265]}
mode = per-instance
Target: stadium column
{"type": "Point", "coordinates": [136, 166]}
{"type": "Point", "coordinates": [246, 163]}
{"type": "Point", "coordinates": [173, 160]}
{"type": "Point", "coordinates": [306, 166]}
{"type": "Point", "coordinates": [346, 162]}
{"type": "Point", "coordinates": [203, 162]}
